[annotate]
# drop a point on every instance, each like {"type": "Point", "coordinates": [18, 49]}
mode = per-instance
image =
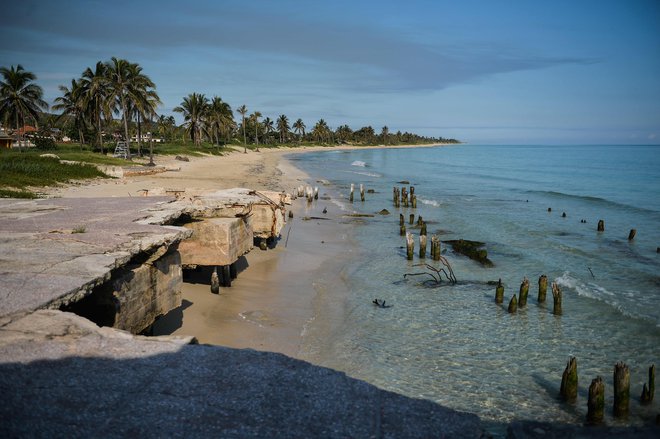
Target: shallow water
{"type": "Point", "coordinates": [453, 344]}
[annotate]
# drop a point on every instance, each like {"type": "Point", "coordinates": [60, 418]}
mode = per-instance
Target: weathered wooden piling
{"type": "Point", "coordinates": [316, 192]}
{"type": "Point", "coordinates": [632, 234]}
{"type": "Point", "coordinates": [556, 295]}
{"type": "Point", "coordinates": [395, 196]}
{"type": "Point", "coordinates": [412, 190]}
{"type": "Point", "coordinates": [422, 246]}
{"type": "Point", "coordinates": [361, 192]}
{"type": "Point", "coordinates": [291, 214]}
{"type": "Point", "coordinates": [350, 197]}
{"type": "Point", "coordinates": [621, 390]}
{"type": "Point", "coordinates": [435, 248]}
{"type": "Point", "coordinates": [423, 230]}
{"type": "Point", "coordinates": [596, 401]}
{"type": "Point", "coordinates": [413, 201]}
{"type": "Point", "coordinates": [215, 281]}
{"type": "Point", "coordinates": [543, 288]}
{"type": "Point", "coordinates": [499, 292]}
{"type": "Point", "coordinates": [401, 220]}
{"type": "Point", "coordinates": [601, 226]}
{"type": "Point", "coordinates": [412, 219]}
{"type": "Point", "coordinates": [524, 290]}
{"type": "Point", "coordinates": [410, 246]}
{"type": "Point", "coordinates": [513, 304]}
{"type": "Point", "coordinates": [649, 390]}
{"type": "Point", "coordinates": [402, 229]}
{"type": "Point", "coordinates": [404, 196]}
{"type": "Point", "coordinates": [420, 220]}
{"type": "Point", "coordinates": [569, 381]}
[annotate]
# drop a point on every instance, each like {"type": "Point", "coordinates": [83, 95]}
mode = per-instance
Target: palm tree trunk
{"type": "Point", "coordinates": [128, 140]}
{"type": "Point", "coordinates": [81, 138]}
{"type": "Point", "coordinates": [98, 128]}
{"type": "Point", "coordinates": [139, 135]}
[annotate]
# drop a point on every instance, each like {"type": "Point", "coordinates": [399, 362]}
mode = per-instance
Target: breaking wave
{"type": "Point", "coordinates": [359, 163]}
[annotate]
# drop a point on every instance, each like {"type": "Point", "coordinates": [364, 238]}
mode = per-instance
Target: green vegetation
{"type": "Point", "coordinates": [88, 107]}
{"type": "Point", "coordinates": [79, 229]}
{"type": "Point", "coordinates": [18, 172]}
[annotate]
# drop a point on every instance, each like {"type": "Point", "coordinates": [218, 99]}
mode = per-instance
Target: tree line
{"type": "Point", "coordinates": [117, 96]}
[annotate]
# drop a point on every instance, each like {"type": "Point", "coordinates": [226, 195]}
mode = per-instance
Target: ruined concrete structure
{"type": "Point", "coordinates": [119, 261]}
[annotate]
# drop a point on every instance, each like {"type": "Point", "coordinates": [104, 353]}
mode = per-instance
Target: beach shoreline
{"type": "Point", "coordinates": [289, 293]}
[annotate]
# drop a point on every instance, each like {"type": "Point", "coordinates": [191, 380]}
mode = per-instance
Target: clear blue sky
{"type": "Point", "coordinates": [576, 71]}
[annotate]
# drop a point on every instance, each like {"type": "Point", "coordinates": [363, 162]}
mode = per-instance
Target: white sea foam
{"type": "Point", "coordinates": [433, 203]}
{"type": "Point", "coordinates": [368, 174]}
{"type": "Point", "coordinates": [359, 163]}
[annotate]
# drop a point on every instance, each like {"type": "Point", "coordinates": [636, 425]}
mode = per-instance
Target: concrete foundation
{"type": "Point", "coordinates": [216, 241]}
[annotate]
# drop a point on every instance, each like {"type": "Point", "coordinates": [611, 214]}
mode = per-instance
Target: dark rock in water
{"type": "Point", "coordinates": [403, 182]}
{"type": "Point", "coordinates": [471, 249]}
{"type": "Point", "coordinates": [371, 191]}
{"type": "Point", "coordinates": [384, 212]}
{"type": "Point", "coordinates": [563, 215]}
{"type": "Point", "coordinates": [549, 209]}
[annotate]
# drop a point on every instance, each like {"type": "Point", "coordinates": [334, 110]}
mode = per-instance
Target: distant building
{"type": "Point", "coordinates": [5, 140]}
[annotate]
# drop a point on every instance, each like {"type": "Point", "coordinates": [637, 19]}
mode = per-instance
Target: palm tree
{"type": "Point", "coordinates": [194, 108]}
{"type": "Point", "coordinates": [320, 130]}
{"type": "Point", "coordinates": [143, 99]}
{"type": "Point", "coordinates": [243, 111]}
{"type": "Point", "coordinates": [72, 103]}
{"type": "Point", "coordinates": [118, 77]}
{"type": "Point", "coordinates": [384, 132]}
{"type": "Point", "coordinates": [344, 132]}
{"type": "Point", "coordinates": [220, 117]}
{"type": "Point", "coordinates": [19, 97]}
{"type": "Point", "coordinates": [166, 126]}
{"type": "Point", "coordinates": [130, 90]}
{"type": "Point", "coordinates": [283, 127]}
{"type": "Point", "coordinates": [268, 125]}
{"type": "Point", "coordinates": [96, 95]}
{"type": "Point", "coordinates": [255, 117]}
{"type": "Point", "coordinates": [299, 127]}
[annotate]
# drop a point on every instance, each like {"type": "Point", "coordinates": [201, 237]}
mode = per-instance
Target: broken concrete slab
{"type": "Point", "coordinates": [58, 251]}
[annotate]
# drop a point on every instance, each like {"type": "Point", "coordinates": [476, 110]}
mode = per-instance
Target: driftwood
{"type": "Point", "coordinates": [381, 303]}
{"type": "Point", "coordinates": [436, 273]}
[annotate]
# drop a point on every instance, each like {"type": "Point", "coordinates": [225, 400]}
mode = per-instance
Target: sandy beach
{"type": "Point", "coordinates": [278, 293]}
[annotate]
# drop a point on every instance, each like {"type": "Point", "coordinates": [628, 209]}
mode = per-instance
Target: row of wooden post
{"type": "Point", "coordinates": [601, 228]}
{"type": "Point", "coordinates": [308, 192]}
{"type": "Point", "coordinates": [350, 197]}
{"type": "Point", "coordinates": [401, 197]}
{"type": "Point", "coordinates": [423, 240]}
{"type": "Point", "coordinates": [596, 401]}
{"type": "Point", "coordinates": [521, 300]}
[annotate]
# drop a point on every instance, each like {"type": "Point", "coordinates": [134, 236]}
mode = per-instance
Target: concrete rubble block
{"type": "Point", "coordinates": [144, 292]}
{"type": "Point", "coordinates": [216, 241]}
{"type": "Point", "coordinates": [266, 209]}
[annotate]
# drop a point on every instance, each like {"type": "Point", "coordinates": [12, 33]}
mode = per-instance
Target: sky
{"type": "Point", "coordinates": [508, 71]}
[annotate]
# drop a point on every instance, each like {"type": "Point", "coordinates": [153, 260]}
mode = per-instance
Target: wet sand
{"type": "Point", "coordinates": [287, 299]}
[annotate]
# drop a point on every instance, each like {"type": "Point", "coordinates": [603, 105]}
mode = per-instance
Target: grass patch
{"type": "Point", "coordinates": [19, 171]}
{"type": "Point", "coordinates": [10, 193]}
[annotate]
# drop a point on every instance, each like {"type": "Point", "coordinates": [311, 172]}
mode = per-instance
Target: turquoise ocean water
{"type": "Point", "coordinates": [452, 344]}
